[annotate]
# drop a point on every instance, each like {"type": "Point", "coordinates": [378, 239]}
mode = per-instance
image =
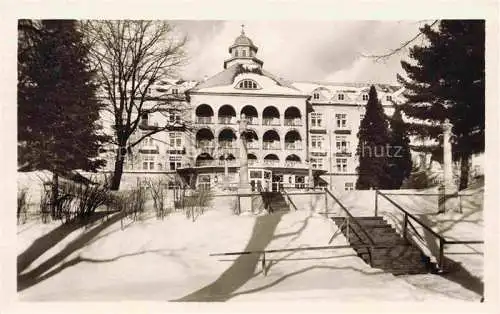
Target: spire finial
{"type": "Point", "coordinates": [242, 29]}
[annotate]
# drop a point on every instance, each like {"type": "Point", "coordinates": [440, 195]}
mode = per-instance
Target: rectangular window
{"type": "Point", "coordinates": [175, 91]}
{"type": "Point", "coordinates": [317, 163]}
{"type": "Point", "coordinates": [365, 97]}
{"type": "Point", "coordinates": [342, 144]}
{"type": "Point", "coordinates": [316, 96]}
{"type": "Point", "coordinates": [317, 141]}
{"type": "Point", "coordinates": [349, 186]}
{"type": "Point", "coordinates": [204, 182]}
{"type": "Point", "coordinates": [144, 166]}
{"type": "Point", "coordinates": [341, 164]}
{"type": "Point", "coordinates": [341, 96]}
{"type": "Point", "coordinates": [389, 98]}
{"type": "Point", "coordinates": [341, 119]}
{"type": "Point", "coordinates": [361, 116]}
{"type": "Point", "coordinates": [175, 140]}
{"type": "Point", "coordinates": [316, 119]}
{"type": "Point", "coordinates": [300, 182]}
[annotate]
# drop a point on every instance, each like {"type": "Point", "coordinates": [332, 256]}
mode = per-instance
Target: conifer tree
{"type": "Point", "coordinates": [447, 80]}
{"type": "Point", "coordinates": [58, 109]}
{"type": "Point", "coordinates": [400, 163]}
{"type": "Point", "coordinates": [373, 146]}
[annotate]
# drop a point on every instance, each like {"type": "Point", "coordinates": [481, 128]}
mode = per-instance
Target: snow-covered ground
{"type": "Point", "coordinates": [169, 260]}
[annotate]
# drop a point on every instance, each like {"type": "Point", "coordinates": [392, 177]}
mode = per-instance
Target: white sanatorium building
{"type": "Point", "coordinates": [295, 126]}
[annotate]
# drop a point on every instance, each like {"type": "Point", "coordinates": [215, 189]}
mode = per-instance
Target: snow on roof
{"type": "Point", "coordinates": [224, 80]}
{"type": "Point", "coordinates": [309, 87]}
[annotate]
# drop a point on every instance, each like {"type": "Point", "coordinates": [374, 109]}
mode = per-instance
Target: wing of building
{"type": "Point", "coordinates": [299, 132]}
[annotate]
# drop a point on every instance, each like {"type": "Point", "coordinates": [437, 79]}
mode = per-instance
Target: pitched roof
{"type": "Point", "coordinates": [226, 77]}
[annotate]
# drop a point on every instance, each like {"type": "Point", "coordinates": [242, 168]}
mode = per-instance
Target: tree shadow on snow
{"type": "Point", "coordinates": [243, 268]}
{"type": "Point", "coordinates": [36, 275]}
{"type": "Point", "coordinates": [49, 240]}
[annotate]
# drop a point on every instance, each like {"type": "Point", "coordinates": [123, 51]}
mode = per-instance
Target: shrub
{"type": "Point", "coordinates": [22, 205]}
{"type": "Point", "coordinates": [131, 202]}
{"type": "Point", "coordinates": [195, 204]}
{"type": "Point", "coordinates": [157, 189]}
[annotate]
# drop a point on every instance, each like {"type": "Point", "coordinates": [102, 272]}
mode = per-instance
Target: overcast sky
{"type": "Point", "coordinates": [303, 50]}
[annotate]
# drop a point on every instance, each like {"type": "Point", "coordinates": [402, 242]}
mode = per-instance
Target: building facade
{"type": "Point", "coordinates": [300, 133]}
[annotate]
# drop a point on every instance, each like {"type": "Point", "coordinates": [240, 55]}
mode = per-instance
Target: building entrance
{"type": "Point", "coordinates": [260, 180]}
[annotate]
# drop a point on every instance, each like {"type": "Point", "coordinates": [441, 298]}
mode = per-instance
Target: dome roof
{"type": "Point", "coordinates": [243, 40]}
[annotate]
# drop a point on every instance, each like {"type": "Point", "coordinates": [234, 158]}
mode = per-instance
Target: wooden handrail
{"type": "Point", "coordinates": [351, 217]}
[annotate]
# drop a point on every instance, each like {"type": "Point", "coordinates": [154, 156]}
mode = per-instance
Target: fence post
{"type": "Point", "coordinates": [460, 202]}
{"type": "Point", "coordinates": [376, 203]}
{"type": "Point", "coordinates": [326, 205]}
{"type": "Point", "coordinates": [441, 254]}
{"type": "Point", "coordinates": [405, 226]}
{"type": "Point", "coordinates": [348, 239]}
{"type": "Point", "coordinates": [264, 263]}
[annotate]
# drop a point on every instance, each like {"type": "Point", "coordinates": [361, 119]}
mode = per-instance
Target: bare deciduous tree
{"type": "Point", "coordinates": [400, 48]}
{"type": "Point", "coordinates": [130, 57]}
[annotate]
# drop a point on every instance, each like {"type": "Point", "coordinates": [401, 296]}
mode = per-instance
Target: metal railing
{"type": "Point", "coordinates": [289, 198]}
{"type": "Point", "coordinates": [263, 252]}
{"type": "Point", "coordinates": [407, 223]}
{"type": "Point", "coordinates": [350, 218]}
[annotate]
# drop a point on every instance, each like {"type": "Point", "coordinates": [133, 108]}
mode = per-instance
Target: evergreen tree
{"type": "Point", "coordinates": [57, 105]}
{"type": "Point", "coordinates": [447, 81]}
{"type": "Point", "coordinates": [400, 163]}
{"type": "Point", "coordinates": [373, 146]}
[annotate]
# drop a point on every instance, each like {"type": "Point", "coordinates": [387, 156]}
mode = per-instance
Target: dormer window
{"type": "Point", "coordinates": [341, 97]}
{"type": "Point", "coordinates": [175, 91]}
{"type": "Point", "coordinates": [365, 97]}
{"type": "Point", "coordinates": [316, 96]}
{"type": "Point", "coordinates": [247, 84]}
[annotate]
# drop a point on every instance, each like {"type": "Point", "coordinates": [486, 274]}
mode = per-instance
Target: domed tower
{"type": "Point", "coordinates": [243, 51]}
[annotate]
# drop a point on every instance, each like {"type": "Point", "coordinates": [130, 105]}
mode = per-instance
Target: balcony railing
{"type": "Point", "coordinates": [293, 122]}
{"type": "Point", "coordinates": [253, 145]}
{"type": "Point", "coordinates": [252, 120]}
{"type": "Point", "coordinates": [227, 144]}
{"type": "Point", "coordinates": [293, 146]}
{"type": "Point", "coordinates": [271, 162]}
{"type": "Point", "coordinates": [204, 120]}
{"type": "Point", "coordinates": [205, 144]}
{"type": "Point", "coordinates": [292, 164]}
{"type": "Point", "coordinates": [271, 146]}
{"type": "Point", "coordinates": [226, 119]}
{"type": "Point", "coordinates": [270, 121]}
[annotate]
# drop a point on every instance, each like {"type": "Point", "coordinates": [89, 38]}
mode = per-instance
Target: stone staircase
{"type": "Point", "coordinates": [274, 201]}
{"type": "Point", "coordinates": [392, 253]}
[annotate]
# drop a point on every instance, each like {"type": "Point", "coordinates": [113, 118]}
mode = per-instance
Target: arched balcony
{"type": "Point", "coordinates": [252, 139]}
{"type": "Point", "coordinates": [204, 114]}
{"type": "Point", "coordinates": [252, 159]}
{"type": "Point", "coordinates": [204, 160]}
{"type": "Point", "coordinates": [292, 160]}
{"type": "Point", "coordinates": [293, 140]}
{"type": "Point", "coordinates": [293, 117]}
{"type": "Point", "coordinates": [251, 114]}
{"type": "Point", "coordinates": [227, 159]}
{"type": "Point", "coordinates": [271, 140]}
{"type": "Point", "coordinates": [270, 116]}
{"type": "Point", "coordinates": [227, 115]}
{"type": "Point", "coordinates": [271, 160]}
{"type": "Point", "coordinates": [227, 138]}
{"type": "Point", "coordinates": [205, 140]}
